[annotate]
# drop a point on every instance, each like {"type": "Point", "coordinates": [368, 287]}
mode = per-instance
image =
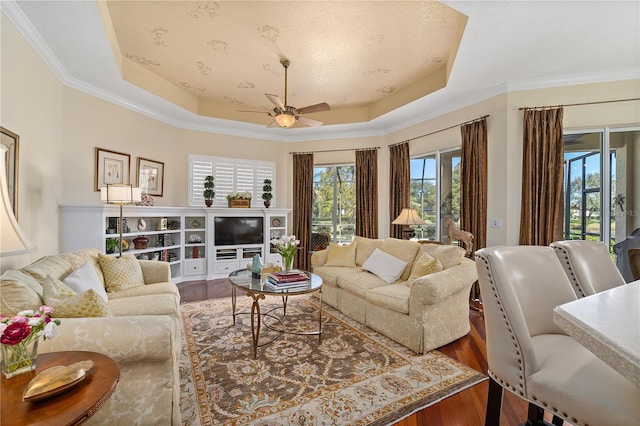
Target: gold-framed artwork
{"type": "Point", "coordinates": [150, 176]}
{"type": "Point", "coordinates": [111, 167]}
{"type": "Point", "coordinates": [12, 142]}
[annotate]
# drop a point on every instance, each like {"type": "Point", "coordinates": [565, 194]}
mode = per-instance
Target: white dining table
{"type": "Point", "coordinates": [608, 324]}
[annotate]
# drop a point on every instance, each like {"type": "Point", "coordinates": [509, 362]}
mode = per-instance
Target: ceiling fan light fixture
{"type": "Point", "coordinates": [286, 119]}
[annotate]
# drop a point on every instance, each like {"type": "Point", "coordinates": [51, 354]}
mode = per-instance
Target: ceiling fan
{"type": "Point", "coordinates": [286, 115]}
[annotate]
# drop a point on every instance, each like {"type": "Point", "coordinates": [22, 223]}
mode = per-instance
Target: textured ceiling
{"type": "Point", "coordinates": [214, 58]}
{"type": "Point", "coordinates": [507, 46]}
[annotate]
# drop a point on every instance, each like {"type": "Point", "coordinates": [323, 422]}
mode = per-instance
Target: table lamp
{"type": "Point", "coordinates": [408, 217]}
{"type": "Point", "coordinates": [120, 194]}
{"type": "Point", "coordinates": [12, 241]}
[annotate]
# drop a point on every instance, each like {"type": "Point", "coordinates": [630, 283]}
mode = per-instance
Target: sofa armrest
{"type": "Point", "coordinates": [433, 288]}
{"type": "Point", "coordinates": [154, 271]}
{"type": "Point", "coordinates": [319, 258]}
{"type": "Point", "coordinates": [125, 339]}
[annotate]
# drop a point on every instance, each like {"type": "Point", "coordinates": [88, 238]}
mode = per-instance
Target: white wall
{"type": "Point", "coordinates": [60, 128]}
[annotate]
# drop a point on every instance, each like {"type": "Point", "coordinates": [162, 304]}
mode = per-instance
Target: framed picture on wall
{"type": "Point", "coordinates": [111, 167]}
{"type": "Point", "coordinates": [11, 141]}
{"type": "Point", "coordinates": [151, 176]}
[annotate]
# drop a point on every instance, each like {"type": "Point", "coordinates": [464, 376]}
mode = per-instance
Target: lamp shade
{"type": "Point", "coordinates": [120, 194]}
{"type": "Point", "coordinates": [285, 119]}
{"type": "Point", "coordinates": [12, 239]}
{"type": "Point", "coordinates": [408, 217]}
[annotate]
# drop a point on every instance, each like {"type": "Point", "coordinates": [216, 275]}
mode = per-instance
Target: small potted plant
{"type": "Point", "coordinates": [208, 193]}
{"type": "Point", "coordinates": [266, 194]}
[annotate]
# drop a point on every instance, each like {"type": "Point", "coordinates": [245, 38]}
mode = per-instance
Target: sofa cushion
{"type": "Point", "coordinates": [156, 304]}
{"type": "Point", "coordinates": [424, 265]}
{"type": "Point", "coordinates": [364, 248]}
{"type": "Point", "coordinates": [449, 255]}
{"type": "Point", "coordinates": [69, 304]}
{"type": "Point", "coordinates": [147, 289]}
{"type": "Point", "coordinates": [341, 255]}
{"type": "Point", "coordinates": [404, 250]}
{"type": "Point", "coordinates": [57, 266]}
{"type": "Point", "coordinates": [358, 282]}
{"type": "Point", "coordinates": [394, 297]}
{"type": "Point", "coordinates": [85, 278]}
{"type": "Point", "coordinates": [384, 265]}
{"type": "Point", "coordinates": [121, 273]}
{"type": "Point", "coordinates": [19, 291]}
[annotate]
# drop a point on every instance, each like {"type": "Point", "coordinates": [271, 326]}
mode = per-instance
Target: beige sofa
{"type": "Point", "coordinates": [422, 313]}
{"type": "Point", "coordinates": [142, 333]}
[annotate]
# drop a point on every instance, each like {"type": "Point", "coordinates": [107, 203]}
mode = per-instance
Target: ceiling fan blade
{"type": "Point", "coordinates": [275, 100]}
{"type": "Point", "coordinates": [246, 110]}
{"type": "Point", "coordinates": [309, 122]}
{"type": "Point", "coordinates": [314, 108]}
{"type": "Point", "coordinates": [274, 123]}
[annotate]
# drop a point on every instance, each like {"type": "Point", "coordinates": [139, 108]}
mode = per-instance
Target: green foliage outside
{"type": "Point", "coordinates": [334, 210]}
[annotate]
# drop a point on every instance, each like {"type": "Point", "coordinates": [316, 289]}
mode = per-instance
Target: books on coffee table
{"type": "Point", "coordinates": [287, 279]}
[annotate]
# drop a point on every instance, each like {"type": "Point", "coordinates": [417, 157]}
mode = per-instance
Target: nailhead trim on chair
{"type": "Point", "coordinates": [513, 337]}
{"type": "Point", "coordinates": [574, 279]}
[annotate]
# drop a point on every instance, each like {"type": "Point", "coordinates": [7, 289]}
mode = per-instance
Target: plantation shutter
{"type": "Point", "coordinates": [230, 175]}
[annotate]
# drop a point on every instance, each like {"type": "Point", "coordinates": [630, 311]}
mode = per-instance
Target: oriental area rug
{"type": "Point", "coordinates": [354, 377]}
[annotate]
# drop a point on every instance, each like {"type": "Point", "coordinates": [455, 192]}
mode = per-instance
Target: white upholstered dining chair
{"type": "Point", "coordinates": [531, 357]}
{"type": "Point", "coordinates": [588, 266]}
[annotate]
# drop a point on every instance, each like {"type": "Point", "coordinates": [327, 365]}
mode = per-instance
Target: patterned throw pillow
{"type": "Point", "coordinates": [68, 304]}
{"type": "Point", "coordinates": [424, 265]}
{"type": "Point", "coordinates": [341, 255]}
{"type": "Point", "coordinates": [120, 273]}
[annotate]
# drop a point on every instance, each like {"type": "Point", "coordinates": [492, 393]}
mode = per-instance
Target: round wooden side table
{"type": "Point", "coordinates": [71, 407]}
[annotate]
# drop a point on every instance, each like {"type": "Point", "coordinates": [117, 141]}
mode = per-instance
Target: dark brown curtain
{"type": "Point", "coordinates": [367, 193]}
{"type": "Point", "coordinates": [473, 197]}
{"type": "Point", "coordinates": [302, 201]}
{"type": "Point", "coordinates": [542, 177]}
{"type": "Point", "coordinates": [399, 178]}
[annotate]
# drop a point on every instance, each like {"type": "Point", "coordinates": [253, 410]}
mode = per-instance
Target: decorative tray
{"type": "Point", "coordinates": [55, 380]}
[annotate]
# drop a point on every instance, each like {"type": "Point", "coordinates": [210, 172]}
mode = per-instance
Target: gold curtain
{"type": "Point", "coordinates": [399, 179]}
{"type": "Point", "coordinates": [302, 202]}
{"type": "Point", "coordinates": [367, 193]}
{"type": "Point", "coordinates": [473, 197]}
{"type": "Point", "coordinates": [542, 177]}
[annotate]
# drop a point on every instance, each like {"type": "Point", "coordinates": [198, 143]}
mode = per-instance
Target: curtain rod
{"type": "Point", "coordinates": [335, 150]}
{"type": "Point", "coordinates": [581, 103]}
{"type": "Point", "coordinates": [442, 130]}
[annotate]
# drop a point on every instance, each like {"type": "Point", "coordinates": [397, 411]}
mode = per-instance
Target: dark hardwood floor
{"type": "Point", "coordinates": [466, 408]}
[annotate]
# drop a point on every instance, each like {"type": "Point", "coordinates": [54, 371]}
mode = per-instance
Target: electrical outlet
{"type": "Point", "coordinates": [496, 222]}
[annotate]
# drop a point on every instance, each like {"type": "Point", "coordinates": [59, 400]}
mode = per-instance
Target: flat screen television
{"type": "Point", "coordinates": [232, 231]}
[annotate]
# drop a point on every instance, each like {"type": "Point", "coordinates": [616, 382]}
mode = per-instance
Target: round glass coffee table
{"type": "Point", "coordinates": [257, 288]}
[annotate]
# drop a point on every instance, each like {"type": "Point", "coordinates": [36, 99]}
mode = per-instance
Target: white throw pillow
{"type": "Point", "coordinates": [85, 278]}
{"type": "Point", "coordinates": [384, 265]}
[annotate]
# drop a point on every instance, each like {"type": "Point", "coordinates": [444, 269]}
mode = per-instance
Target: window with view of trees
{"type": "Point", "coordinates": [334, 202]}
{"type": "Point", "coordinates": [600, 194]}
{"type": "Point", "coordinates": [435, 192]}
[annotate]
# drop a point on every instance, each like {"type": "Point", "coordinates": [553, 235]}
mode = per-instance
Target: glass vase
{"type": "Point", "coordinates": [20, 358]}
{"type": "Point", "coordinates": [287, 262]}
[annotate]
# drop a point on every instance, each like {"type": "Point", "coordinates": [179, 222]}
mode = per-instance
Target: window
{"type": "Point", "coordinates": [599, 190]}
{"type": "Point", "coordinates": [435, 192]}
{"type": "Point", "coordinates": [230, 175]}
{"type": "Point", "coordinates": [334, 202]}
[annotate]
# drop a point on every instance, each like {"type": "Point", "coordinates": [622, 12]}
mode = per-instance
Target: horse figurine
{"type": "Point", "coordinates": [457, 234]}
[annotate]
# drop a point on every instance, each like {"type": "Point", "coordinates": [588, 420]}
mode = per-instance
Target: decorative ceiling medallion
{"type": "Point", "coordinates": [219, 46]}
{"type": "Point", "coordinates": [142, 61]}
{"type": "Point", "coordinates": [269, 32]}
{"type": "Point", "coordinates": [204, 69]}
{"type": "Point", "coordinates": [159, 33]}
{"type": "Point", "coordinates": [190, 87]}
{"type": "Point", "coordinates": [246, 85]}
{"type": "Point", "coordinates": [209, 9]}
